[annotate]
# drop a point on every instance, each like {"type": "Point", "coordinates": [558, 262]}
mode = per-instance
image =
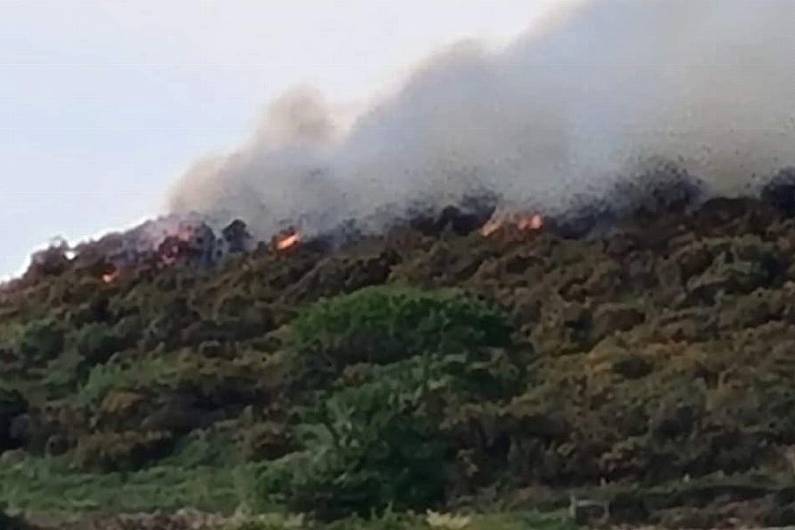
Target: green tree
{"type": "Point", "coordinates": [367, 447]}
{"type": "Point", "coordinates": [387, 324]}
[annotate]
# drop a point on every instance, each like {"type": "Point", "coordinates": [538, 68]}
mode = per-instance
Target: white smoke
{"type": "Point", "coordinates": [563, 111]}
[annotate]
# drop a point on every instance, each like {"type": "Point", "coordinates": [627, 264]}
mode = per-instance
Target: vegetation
{"type": "Point", "coordinates": [50, 485]}
{"type": "Point", "coordinates": [457, 373]}
{"type": "Point", "coordinates": [382, 325]}
{"type": "Point", "coordinates": [41, 340]}
{"type": "Point", "coordinates": [366, 447]}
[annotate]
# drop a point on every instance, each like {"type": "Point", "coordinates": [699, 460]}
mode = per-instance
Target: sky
{"type": "Point", "coordinates": [104, 103]}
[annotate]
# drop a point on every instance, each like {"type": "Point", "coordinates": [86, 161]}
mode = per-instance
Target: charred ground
{"type": "Point", "coordinates": [644, 352]}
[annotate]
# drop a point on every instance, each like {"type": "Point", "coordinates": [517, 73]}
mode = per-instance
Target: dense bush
{"type": "Point", "coordinates": [97, 342]}
{"type": "Point", "coordinates": [104, 378]}
{"type": "Point", "coordinates": [367, 447]}
{"type": "Point", "coordinates": [386, 324]}
{"type": "Point", "coordinates": [41, 340]}
{"type": "Point", "coordinates": [214, 382]}
{"type": "Point", "coordinates": [401, 361]}
{"type": "Point", "coordinates": [115, 451]}
{"type": "Point", "coordinates": [12, 404]}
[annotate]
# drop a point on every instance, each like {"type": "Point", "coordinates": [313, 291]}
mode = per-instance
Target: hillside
{"type": "Point", "coordinates": [649, 362]}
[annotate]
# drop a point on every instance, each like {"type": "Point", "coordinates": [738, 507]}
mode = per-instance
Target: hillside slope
{"type": "Point", "coordinates": [653, 362]}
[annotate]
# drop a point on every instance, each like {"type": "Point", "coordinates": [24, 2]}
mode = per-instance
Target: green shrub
{"type": "Point", "coordinates": [97, 342]}
{"type": "Point", "coordinates": [41, 340]}
{"type": "Point", "coordinates": [216, 382]}
{"type": "Point", "coordinates": [129, 329]}
{"type": "Point", "coordinates": [265, 441]}
{"type": "Point", "coordinates": [106, 377]}
{"type": "Point", "coordinates": [386, 324]}
{"type": "Point", "coordinates": [63, 374]}
{"type": "Point", "coordinates": [115, 451]}
{"type": "Point", "coordinates": [367, 447]}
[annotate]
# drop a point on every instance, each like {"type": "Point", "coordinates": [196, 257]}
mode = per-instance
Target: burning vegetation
{"type": "Point", "coordinates": [155, 245]}
{"type": "Point", "coordinates": [110, 277]}
{"type": "Point", "coordinates": [524, 223]}
{"type": "Point", "coordinates": [175, 241]}
{"type": "Point", "coordinates": [287, 240]}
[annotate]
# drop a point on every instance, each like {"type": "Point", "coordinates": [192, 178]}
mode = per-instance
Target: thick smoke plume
{"type": "Point", "coordinates": [592, 95]}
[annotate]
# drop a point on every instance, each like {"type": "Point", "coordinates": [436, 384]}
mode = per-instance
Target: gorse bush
{"type": "Point", "coordinates": [114, 451]}
{"type": "Point", "coordinates": [213, 381]}
{"type": "Point", "coordinates": [41, 340]}
{"type": "Point", "coordinates": [386, 324]}
{"type": "Point", "coordinates": [104, 378]}
{"type": "Point", "coordinates": [97, 342]}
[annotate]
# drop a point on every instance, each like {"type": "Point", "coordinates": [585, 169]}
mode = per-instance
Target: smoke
{"type": "Point", "coordinates": [592, 95]}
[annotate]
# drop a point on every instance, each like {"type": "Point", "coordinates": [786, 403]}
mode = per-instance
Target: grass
{"type": "Point", "coordinates": [204, 473]}
{"type": "Point", "coordinates": [49, 486]}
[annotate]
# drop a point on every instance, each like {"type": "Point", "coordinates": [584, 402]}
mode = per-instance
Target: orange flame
{"type": "Point", "coordinates": [288, 241]}
{"type": "Point", "coordinates": [110, 277]}
{"type": "Point", "coordinates": [533, 222]}
{"type": "Point", "coordinates": [524, 223]}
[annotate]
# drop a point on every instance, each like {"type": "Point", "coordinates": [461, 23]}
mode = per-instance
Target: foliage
{"type": "Point", "coordinates": [367, 447]}
{"type": "Point", "coordinates": [213, 380]}
{"type": "Point", "coordinates": [41, 340]}
{"type": "Point", "coordinates": [48, 485]}
{"type": "Point", "coordinates": [121, 451]}
{"type": "Point", "coordinates": [51, 485]}
{"type": "Point", "coordinates": [386, 324]}
{"type": "Point", "coordinates": [104, 378]}
{"type": "Point", "coordinates": [657, 350]}
{"type": "Point", "coordinates": [447, 521]}
{"type": "Point", "coordinates": [96, 342]}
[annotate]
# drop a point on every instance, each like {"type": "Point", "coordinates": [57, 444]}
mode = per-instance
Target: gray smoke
{"type": "Point", "coordinates": [565, 110]}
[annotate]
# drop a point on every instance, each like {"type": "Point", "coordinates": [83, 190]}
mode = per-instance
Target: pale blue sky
{"type": "Point", "coordinates": [103, 103]}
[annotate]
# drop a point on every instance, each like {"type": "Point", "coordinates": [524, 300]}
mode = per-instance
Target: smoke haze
{"type": "Point", "coordinates": [592, 94]}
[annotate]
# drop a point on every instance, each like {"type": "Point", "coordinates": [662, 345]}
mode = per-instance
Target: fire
{"type": "Point", "coordinates": [524, 223]}
{"type": "Point", "coordinates": [289, 240]}
{"type": "Point", "coordinates": [533, 222]}
{"type": "Point", "coordinates": [110, 277]}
